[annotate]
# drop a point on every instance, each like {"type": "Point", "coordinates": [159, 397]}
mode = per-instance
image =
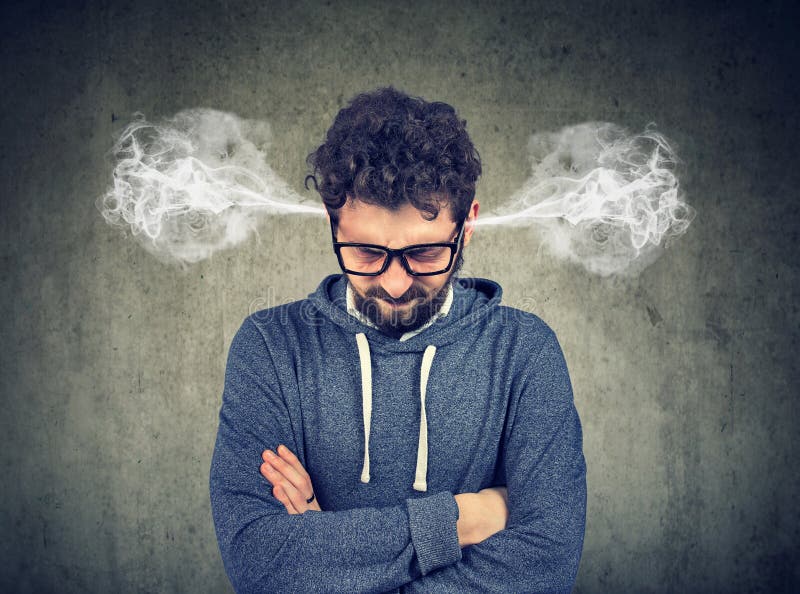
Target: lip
{"type": "Point", "coordinates": [396, 305]}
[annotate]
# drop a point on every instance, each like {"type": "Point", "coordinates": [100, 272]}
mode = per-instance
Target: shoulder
{"type": "Point", "coordinates": [529, 345]}
{"type": "Point", "coordinates": [275, 325]}
{"type": "Point", "coordinates": [483, 299]}
{"type": "Point", "coordinates": [522, 327]}
{"type": "Point", "coordinates": [281, 315]}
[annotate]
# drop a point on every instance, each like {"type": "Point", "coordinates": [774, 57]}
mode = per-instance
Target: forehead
{"type": "Point", "coordinates": [369, 223]}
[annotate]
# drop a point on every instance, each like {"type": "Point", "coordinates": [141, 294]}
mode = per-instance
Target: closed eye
{"type": "Point", "coordinates": [427, 254]}
{"type": "Point", "coordinates": [364, 252]}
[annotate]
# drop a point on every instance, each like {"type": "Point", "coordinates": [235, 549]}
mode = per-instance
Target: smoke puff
{"type": "Point", "coordinates": [194, 184]}
{"type": "Point", "coordinates": [602, 197]}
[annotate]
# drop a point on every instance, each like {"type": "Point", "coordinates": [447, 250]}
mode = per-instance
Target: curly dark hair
{"type": "Point", "coordinates": [388, 148]}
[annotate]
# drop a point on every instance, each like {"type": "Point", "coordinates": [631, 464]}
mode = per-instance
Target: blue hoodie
{"type": "Point", "coordinates": [389, 432]}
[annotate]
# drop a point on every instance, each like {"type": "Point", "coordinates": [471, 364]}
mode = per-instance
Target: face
{"type": "Point", "coordinates": [395, 301]}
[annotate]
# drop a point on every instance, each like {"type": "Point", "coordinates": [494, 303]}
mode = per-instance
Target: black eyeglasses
{"type": "Point", "coordinates": [422, 259]}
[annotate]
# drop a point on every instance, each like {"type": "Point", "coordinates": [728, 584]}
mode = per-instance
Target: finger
{"type": "Point", "coordinates": [267, 468]}
{"type": "Point", "coordinates": [273, 475]}
{"type": "Point", "coordinates": [269, 473]}
{"type": "Point", "coordinates": [293, 494]}
{"type": "Point", "coordinates": [295, 497]}
{"type": "Point", "coordinates": [288, 455]}
{"type": "Point", "coordinates": [301, 482]}
{"type": "Point", "coordinates": [277, 479]}
{"type": "Point", "coordinates": [280, 487]}
{"type": "Point", "coordinates": [281, 496]}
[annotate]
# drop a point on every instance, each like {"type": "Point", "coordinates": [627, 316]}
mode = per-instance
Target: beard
{"type": "Point", "coordinates": [398, 322]}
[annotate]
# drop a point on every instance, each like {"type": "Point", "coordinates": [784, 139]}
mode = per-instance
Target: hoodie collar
{"type": "Point", "coordinates": [474, 300]}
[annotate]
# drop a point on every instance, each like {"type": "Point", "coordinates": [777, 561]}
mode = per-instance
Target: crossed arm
{"type": "Point", "coordinates": [480, 515]}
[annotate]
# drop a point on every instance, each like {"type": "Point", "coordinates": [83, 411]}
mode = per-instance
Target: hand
{"type": "Point", "coordinates": [291, 484]}
{"type": "Point", "coordinates": [481, 514]}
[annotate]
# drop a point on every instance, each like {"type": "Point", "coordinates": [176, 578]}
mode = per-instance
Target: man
{"type": "Point", "coordinates": [399, 430]}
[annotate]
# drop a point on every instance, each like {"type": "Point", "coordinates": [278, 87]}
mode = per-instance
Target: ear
{"type": "Point", "coordinates": [470, 222]}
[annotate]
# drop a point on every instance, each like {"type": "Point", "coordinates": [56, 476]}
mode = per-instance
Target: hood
{"type": "Point", "coordinates": [474, 299]}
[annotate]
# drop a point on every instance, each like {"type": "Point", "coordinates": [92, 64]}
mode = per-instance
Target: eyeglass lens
{"type": "Point", "coordinates": [427, 259]}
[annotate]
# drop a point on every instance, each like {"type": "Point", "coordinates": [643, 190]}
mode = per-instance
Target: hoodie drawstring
{"type": "Point", "coordinates": [366, 397]}
{"type": "Point", "coordinates": [420, 482]}
{"type": "Point", "coordinates": [420, 476]}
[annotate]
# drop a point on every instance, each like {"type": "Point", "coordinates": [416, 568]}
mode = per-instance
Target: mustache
{"type": "Point", "coordinates": [413, 293]}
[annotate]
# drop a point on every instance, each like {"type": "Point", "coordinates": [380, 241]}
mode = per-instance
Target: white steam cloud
{"type": "Point", "coordinates": [602, 197]}
{"type": "Point", "coordinates": [199, 182]}
{"type": "Point", "coordinates": [194, 184]}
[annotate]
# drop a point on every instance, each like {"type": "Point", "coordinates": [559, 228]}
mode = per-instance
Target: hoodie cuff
{"type": "Point", "coordinates": [433, 530]}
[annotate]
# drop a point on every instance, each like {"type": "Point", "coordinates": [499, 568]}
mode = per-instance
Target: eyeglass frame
{"type": "Point", "coordinates": [391, 253]}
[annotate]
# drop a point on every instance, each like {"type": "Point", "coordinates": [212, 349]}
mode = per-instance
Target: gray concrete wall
{"type": "Point", "coordinates": [112, 364]}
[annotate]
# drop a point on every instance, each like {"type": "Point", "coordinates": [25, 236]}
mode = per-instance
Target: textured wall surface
{"type": "Point", "coordinates": [686, 377]}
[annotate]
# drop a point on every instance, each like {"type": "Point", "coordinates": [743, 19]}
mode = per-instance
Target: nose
{"type": "Point", "coordinates": [395, 280]}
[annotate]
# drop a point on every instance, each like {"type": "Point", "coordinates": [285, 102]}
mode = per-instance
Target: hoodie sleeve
{"type": "Point", "coordinates": [263, 547]}
{"type": "Point", "coordinates": [545, 471]}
